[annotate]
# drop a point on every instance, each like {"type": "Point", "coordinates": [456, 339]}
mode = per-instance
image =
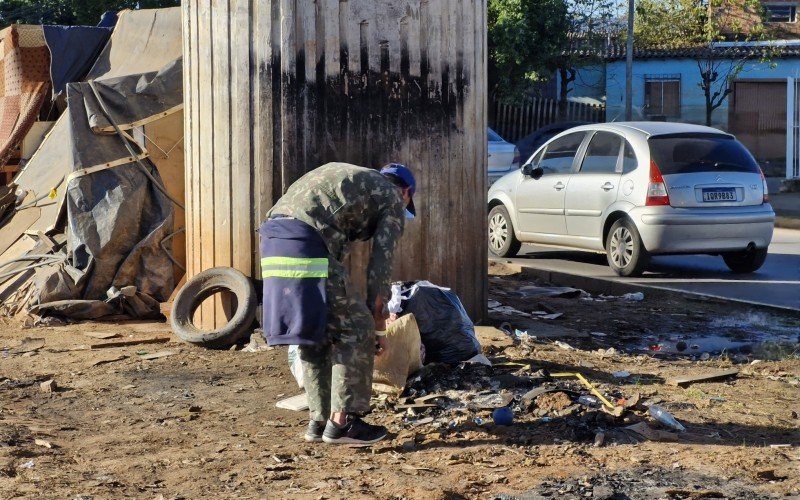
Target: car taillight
{"type": "Point", "coordinates": [764, 184]}
{"type": "Point", "coordinates": [517, 157]}
{"type": "Point", "coordinates": [656, 191]}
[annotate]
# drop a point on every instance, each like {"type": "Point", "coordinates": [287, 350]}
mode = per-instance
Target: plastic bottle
{"type": "Point", "coordinates": [665, 418]}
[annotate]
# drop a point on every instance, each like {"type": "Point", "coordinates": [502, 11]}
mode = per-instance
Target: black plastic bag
{"type": "Point", "coordinates": [444, 326]}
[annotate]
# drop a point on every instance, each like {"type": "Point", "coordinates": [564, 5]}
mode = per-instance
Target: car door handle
{"type": "Point", "coordinates": [607, 186]}
{"type": "Point", "coordinates": [559, 186]}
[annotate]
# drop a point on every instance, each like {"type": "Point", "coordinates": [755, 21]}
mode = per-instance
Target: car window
{"type": "Point", "coordinates": [692, 153]}
{"type": "Point", "coordinates": [560, 153]}
{"type": "Point", "coordinates": [536, 159]}
{"type": "Point", "coordinates": [602, 154]}
{"type": "Point", "coordinates": [629, 162]}
{"type": "Point", "coordinates": [493, 136]}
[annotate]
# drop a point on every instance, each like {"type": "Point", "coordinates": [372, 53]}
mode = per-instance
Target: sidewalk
{"type": "Point", "coordinates": [787, 209]}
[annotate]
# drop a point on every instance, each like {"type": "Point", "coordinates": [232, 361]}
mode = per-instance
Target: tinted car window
{"type": "Point", "coordinates": [602, 153]}
{"type": "Point", "coordinates": [691, 153]}
{"type": "Point", "coordinates": [629, 162]}
{"type": "Point", "coordinates": [493, 137]}
{"type": "Point", "coordinates": [560, 153]}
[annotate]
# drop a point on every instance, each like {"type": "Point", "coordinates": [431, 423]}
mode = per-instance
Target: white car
{"type": "Point", "coordinates": [503, 156]}
{"type": "Point", "coordinates": [632, 190]}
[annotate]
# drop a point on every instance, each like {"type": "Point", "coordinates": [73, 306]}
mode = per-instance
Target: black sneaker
{"type": "Point", "coordinates": [354, 431]}
{"type": "Point", "coordinates": [314, 431]}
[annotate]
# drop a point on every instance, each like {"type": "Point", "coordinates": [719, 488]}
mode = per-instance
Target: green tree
{"type": "Point", "coordinates": [699, 24]}
{"type": "Point", "coordinates": [68, 12]}
{"type": "Point", "coordinates": [524, 39]}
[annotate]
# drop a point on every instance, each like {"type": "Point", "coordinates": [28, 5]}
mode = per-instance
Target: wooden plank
{"type": "Point", "coordinates": [242, 220]}
{"type": "Point", "coordinates": [20, 222]}
{"type": "Point", "coordinates": [126, 343]}
{"type": "Point", "coordinates": [165, 144]}
{"type": "Point", "coordinates": [205, 146]}
{"type": "Point", "coordinates": [705, 377]}
{"type": "Point", "coordinates": [221, 188]}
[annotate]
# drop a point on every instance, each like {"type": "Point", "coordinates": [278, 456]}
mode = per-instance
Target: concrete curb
{"type": "Point", "coordinates": [612, 287]}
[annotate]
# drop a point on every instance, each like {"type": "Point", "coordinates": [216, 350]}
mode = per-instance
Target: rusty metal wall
{"type": "Point", "coordinates": [275, 88]}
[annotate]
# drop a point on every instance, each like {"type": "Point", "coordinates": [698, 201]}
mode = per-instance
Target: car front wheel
{"type": "Point", "coordinates": [624, 249]}
{"type": "Point", "coordinates": [747, 261]}
{"type": "Point", "coordinates": [502, 240]}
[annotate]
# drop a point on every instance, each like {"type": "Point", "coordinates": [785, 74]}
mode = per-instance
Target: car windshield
{"type": "Point", "coordinates": [493, 137]}
{"type": "Point", "coordinates": [693, 153]}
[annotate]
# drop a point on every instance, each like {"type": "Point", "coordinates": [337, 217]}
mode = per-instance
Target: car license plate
{"type": "Point", "coordinates": [717, 194]}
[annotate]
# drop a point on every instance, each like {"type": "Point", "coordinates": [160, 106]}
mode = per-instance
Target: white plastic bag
{"type": "Point", "coordinates": [295, 364]}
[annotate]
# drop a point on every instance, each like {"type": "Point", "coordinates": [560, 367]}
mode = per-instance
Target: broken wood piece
{"type": "Point", "coordinates": [707, 377]}
{"type": "Point", "coordinates": [157, 355]}
{"type": "Point", "coordinates": [42, 442]}
{"type": "Point", "coordinates": [109, 360]}
{"type": "Point", "coordinates": [125, 343]}
{"type": "Point", "coordinates": [648, 432]}
{"type": "Point", "coordinates": [415, 406]}
{"type": "Point", "coordinates": [429, 397]}
{"type": "Point", "coordinates": [529, 396]}
{"type": "Point", "coordinates": [101, 335]}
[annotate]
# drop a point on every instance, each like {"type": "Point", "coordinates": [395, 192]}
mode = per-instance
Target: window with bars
{"type": "Point", "coordinates": [782, 13]}
{"type": "Point", "coordinates": [662, 97]}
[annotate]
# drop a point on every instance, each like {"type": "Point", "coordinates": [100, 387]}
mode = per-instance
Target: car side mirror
{"type": "Point", "coordinates": [529, 170]}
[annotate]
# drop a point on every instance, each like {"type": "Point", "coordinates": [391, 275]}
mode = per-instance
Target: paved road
{"type": "Point", "coordinates": [777, 283]}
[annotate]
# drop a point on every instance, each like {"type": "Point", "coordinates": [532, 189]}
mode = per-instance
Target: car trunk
{"type": "Point", "coordinates": [501, 156]}
{"type": "Point", "coordinates": [707, 170]}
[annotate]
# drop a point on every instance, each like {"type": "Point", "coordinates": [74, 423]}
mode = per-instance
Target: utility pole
{"type": "Point", "coordinates": [629, 65]}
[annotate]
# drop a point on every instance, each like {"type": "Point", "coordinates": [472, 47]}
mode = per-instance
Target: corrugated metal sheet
{"type": "Point", "coordinates": [276, 88]}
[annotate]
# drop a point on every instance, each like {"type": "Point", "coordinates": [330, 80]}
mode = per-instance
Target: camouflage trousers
{"type": "Point", "coordinates": [338, 374]}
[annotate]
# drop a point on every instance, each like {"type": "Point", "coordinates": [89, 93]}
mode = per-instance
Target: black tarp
{"type": "Point", "coordinates": [118, 221]}
{"type": "Point", "coordinates": [73, 50]}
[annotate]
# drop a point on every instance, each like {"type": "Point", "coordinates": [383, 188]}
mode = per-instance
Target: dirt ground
{"type": "Point", "coordinates": [203, 424]}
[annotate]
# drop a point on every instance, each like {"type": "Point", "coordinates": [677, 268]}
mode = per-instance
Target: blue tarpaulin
{"type": "Point", "coordinates": [73, 50]}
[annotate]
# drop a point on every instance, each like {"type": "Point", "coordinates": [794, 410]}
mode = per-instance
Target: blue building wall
{"type": "Point", "coordinates": [590, 81]}
{"type": "Point", "coordinates": [693, 108]}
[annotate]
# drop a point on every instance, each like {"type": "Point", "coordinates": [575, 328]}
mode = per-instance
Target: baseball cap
{"type": "Point", "coordinates": [404, 174]}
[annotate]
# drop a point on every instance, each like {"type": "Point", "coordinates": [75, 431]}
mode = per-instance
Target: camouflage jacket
{"type": "Point", "coordinates": [348, 203]}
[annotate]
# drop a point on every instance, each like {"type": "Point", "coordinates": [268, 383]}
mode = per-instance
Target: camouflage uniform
{"type": "Point", "coordinates": [346, 203]}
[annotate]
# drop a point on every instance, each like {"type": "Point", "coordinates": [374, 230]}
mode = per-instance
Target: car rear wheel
{"type": "Point", "coordinates": [502, 240]}
{"type": "Point", "coordinates": [624, 249]}
{"type": "Point", "coordinates": [746, 261]}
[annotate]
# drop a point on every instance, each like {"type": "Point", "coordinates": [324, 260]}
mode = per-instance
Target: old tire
{"type": "Point", "coordinates": [502, 240]}
{"type": "Point", "coordinates": [747, 261]}
{"type": "Point", "coordinates": [625, 251]}
{"type": "Point", "coordinates": [203, 286]}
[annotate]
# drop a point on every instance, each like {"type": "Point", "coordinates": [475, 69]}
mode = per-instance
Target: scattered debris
{"type": "Point", "coordinates": [101, 335]}
{"type": "Point", "coordinates": [157, 355]}
{"type": "Point", "coordinates": [109, 360]}
{"type": "Point", "coordinates": [294, 403]}
{"type": "Point", "coordinates": [665, 418]}
{"type": "Point", "coordinates": [125, 343]}
{"type": "Point", "coordinates": [707, 377]}
{"type": "Point", "coordinates": [48, 386]}
{"type": "Point", "coordinates": [42, 442]}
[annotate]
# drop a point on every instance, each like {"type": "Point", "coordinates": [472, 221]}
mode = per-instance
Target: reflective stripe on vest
{"type": "Point", "coordinates": [294, 267]}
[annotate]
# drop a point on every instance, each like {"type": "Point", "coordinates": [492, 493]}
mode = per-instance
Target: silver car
{"type": "Point", "coordinates": [503, 157]}
{"type": "Point", "coordinates": [632, 190]}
